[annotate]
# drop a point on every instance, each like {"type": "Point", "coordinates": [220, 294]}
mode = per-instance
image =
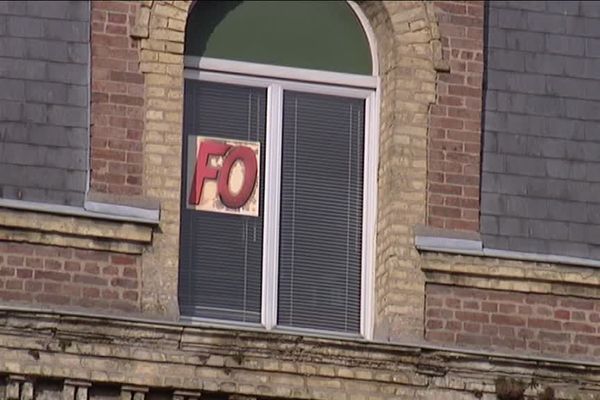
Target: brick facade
{"type": "Point", "coordinates": [513, 321]}
{"type": "Point", "coordinates": [454, 144]}
{"type": "Point", "coordinates": [68, 277]}
{"type": "Point", "coordinates": [430, 57]}
{"type": "Point", "coordinates": [117, 101]}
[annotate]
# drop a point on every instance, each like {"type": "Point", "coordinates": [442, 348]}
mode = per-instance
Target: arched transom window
{"type": "Point", "coordinates": [279, 159]}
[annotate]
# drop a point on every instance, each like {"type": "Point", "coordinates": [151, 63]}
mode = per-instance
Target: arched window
{"type": "Point", "coordinates": [279, 160]}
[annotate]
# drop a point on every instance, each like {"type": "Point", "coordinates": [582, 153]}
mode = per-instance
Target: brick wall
{"type": "Point", "coordinates": [117, 100]}
{"type": "Point", "coordinates": [503, 320]}
{"type": "Point", "coordinates": [63, 276]}
{"type": "Point", "coordinates": [455, 120]}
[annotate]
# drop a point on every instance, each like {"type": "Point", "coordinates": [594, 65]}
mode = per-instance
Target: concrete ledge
{"type": "Point", "coordinates": [71, 211]}
{"type": "Point", "coordinates": [469, 243]}
{"type": "Point", "coordinates": [427, 238]}
{"type": "Point", "coordinates": [73, 231]}
{"type": "Point", "coordinates": [459, 259]}
{"type": "Point", "coordinates": [123, 206]}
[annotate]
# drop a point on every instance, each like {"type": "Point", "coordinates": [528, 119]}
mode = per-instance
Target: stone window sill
{"type": "Point", "coordinates": [123, 229]}
{"type": "Point", "coordinates": [469, 243]}
{"type": "Point", "coordinates": [459, 258]}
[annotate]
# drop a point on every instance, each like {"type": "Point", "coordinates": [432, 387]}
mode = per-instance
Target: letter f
{"type": "Point", "coordinates": [203, 170]}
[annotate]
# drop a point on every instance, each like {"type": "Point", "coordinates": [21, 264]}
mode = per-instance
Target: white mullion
{"type": "Point", "coordinates": [271, 206]}
{"type": "Point", "coordinates": [369, 214]}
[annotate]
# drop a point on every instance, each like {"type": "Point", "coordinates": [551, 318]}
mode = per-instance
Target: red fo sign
{"type": "Point", "coordinates": [223, 175]}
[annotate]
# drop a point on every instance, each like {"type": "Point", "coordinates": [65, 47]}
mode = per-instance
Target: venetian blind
{"type": "Point", "coordinates": [221, 254]}
{"type": "Point", "coordinates": [321, 212]}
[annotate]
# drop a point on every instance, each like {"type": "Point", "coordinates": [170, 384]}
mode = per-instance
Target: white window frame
{"type": "Point", "coordinates": [276, 79]}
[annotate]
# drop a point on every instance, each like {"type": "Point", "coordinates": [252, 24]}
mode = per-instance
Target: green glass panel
{"type": "Point", "coordinates": [324, 35]}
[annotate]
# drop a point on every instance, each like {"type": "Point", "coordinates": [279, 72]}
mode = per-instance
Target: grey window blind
{"type": "Point", "coordinates": [321, 212]}
{"type": "Point", "coordinates": [221, 254]}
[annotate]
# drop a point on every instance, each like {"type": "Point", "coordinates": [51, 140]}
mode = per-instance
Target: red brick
{"type": "Point", "coordinates": [577, 315]}
{"type": "Point", "coordinates": [110, 294]}
{"type": "Point", "coordinates": [72, 266]}
{"type": "Point", "coordinates": [116, 29]}
{"type": "Point", "coordinates": [10, 295]}
{"type": "Point", "coordinates": [439, 313]}
{"type": "Point", "coordinates": [91, 268]}
{"type": "Point", "coordinates": [542, 299]}
{"type": "Point", "coordinates": [14, 284]}
{"type": "Point", "coordinates": [546, 336]}
{"type": "Point", "coordinates": [525, 310]}
{"type": "Point", "coordinates": [130, 295]}
{"type": "Point", "coordinates": [441, 336]}
{"type": "Point", "coordinates": [71, 290]}
{"type": "Point", "coordinates": [24, 273]}
{"type": "Point", "coordinates": [91, 255]}
{"type": "Point", "coordinates": [100, 39]}
{"type": "Point", "coordinates": [110, 6]}
{"type": "Point", "coordinates": [123, 283]}
{"type": "Point", "coordinates": [90, 280]}
{"type": "Point", "coordinates": [509, 343]}
{"type": "Point", "coordinates": [52, 298]}
{"type": "Point", "coordinates": [577, 304]}
{"type": "Point", "coordinates": [52, 275]}
{"type": "Point", "coordinates": [470, 305]}
{"type": "Point", "coordinates": [33, 286]}
{"type": "Point", "coordinates": [473, 340]}
{"type": "Point", "coordinates": [541, 323]}
{"type": "Point", "coordinates": [526, 333]}
{"type": "Point", "coordinates": [472, 316]}
{"type": "Point", "coordinates": [472, 327]}
{"type": "Point", "coordinates": [130, 272]}
{"type": "Point", "coordinates": [435, 324]}
{"type": "Point", "coordinates": [52, 265]}
{"type": "Point", "coordinates": [578, 327]}
{"type": "Point", "coordinates": [453, 325]}
{"type": "Point", "coordinates": [52, 287]}
{"type": "Point", "coordinates": [15, 261]}
{"type": "Point", "coordinates": [562, 314]}
{"type": "Point", "coordinates": [544, 311]}
{"type": "Point", "coordinates": [576, 349]}
{"type": "Point", "coordinates": [511, 320]}
{"type": "Point", "coordinates": [490, 330]}
{"type": "Point", "coordinates": [7, 271]}
{"type": "Point", "coordinates": [91, 292]}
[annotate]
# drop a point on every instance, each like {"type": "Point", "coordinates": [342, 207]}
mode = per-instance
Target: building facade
{"type": "Point", "coordinates": [299, 200]}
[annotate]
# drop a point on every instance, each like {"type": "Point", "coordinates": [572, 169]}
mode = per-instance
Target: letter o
{"type": "Point", "coordinates": [248, 158]}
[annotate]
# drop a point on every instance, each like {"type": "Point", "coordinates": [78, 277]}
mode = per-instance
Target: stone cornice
{"type": "Point", "coordinates": [187, 357]}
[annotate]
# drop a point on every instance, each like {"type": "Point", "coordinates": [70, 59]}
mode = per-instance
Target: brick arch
{"type": "Point", "coordinates": [409, 52]}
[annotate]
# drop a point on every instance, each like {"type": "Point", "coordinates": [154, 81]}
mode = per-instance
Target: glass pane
{"type": "Point", "coordinates": [323, 35]}
{"type": "Point", "coordinates": [221, 254]}
{"type": "Point", "coordinates": [321, 212]}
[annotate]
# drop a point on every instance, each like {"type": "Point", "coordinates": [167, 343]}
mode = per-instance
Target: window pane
{"type": "Point", "coordinates": [321, 212]}
{"type": "Point", "coordinates": [221, 254]}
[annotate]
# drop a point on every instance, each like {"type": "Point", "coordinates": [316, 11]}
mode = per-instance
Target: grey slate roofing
{"type": "Point", "coordinates": [541, 150]}
{"type": "Point", "coordinates": [44, 51]}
